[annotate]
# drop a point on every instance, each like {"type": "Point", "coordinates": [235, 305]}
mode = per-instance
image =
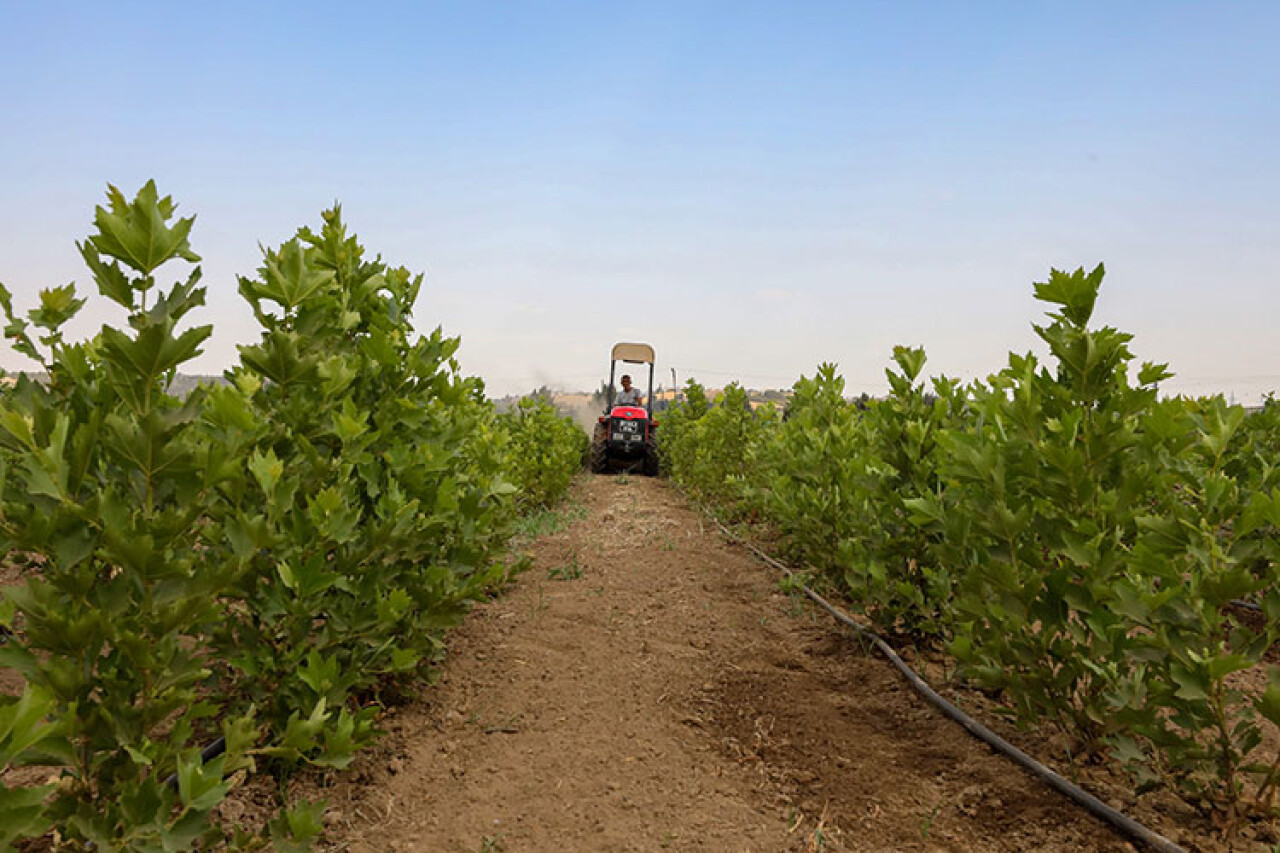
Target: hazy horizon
{"type": "Point", "coordinates": [750, 188]}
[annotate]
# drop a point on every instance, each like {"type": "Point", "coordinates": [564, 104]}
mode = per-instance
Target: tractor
{"type": "Point", "coordinates": [624, 438]}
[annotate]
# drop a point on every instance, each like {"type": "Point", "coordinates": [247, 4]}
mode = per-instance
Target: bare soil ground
{"type": "Point", "coordinates": [647, 686]}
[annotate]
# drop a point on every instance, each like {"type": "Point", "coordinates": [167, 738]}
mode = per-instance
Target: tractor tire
{"type": "Point", "coordinates": [599, 453]}
{"type": "Point", "coordinates": [650, 460]}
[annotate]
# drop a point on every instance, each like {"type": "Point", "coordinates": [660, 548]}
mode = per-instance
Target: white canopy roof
{"type": "Point", "coordinates": [633, 353]}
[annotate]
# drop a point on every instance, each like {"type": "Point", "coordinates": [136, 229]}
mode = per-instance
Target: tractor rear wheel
{"type": "Point", "coordinates": [599, 454]}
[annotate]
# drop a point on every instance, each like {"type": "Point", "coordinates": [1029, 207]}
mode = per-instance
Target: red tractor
{"type": "Point", "coordinates": [624, 438]}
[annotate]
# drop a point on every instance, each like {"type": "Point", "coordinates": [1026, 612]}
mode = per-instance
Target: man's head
{"type": "Point", "coordinates": [626, 382]}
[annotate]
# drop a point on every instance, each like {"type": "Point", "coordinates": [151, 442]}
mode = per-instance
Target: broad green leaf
{"type": "Point", "coordinates": [1269, 703]}
{"type": "Point", "coordinates": [294, 830]}
{"type": "Point", "coordinates": [267, 469]}
{"type": "Point", "coordinates": [136, 234]}
{"type": "Point", "coordinates": [200, 785]}
{"type": "Point", "coordinates": [1223, 665]}
{"type": "Point", "coordinates": [1076, 292]}
{"type": "Point", "coordinates": [22, 813]}
{"type": "Point", "coordinates": [57, 306]}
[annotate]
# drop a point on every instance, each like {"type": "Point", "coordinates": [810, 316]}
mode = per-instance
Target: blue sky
{"type": "Point", "coordinates": [751, 187]}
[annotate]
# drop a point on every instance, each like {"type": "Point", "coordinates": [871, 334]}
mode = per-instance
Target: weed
{"type": "Point", "coordinates": [539, 604]}
{"type": "Point", "coordinates": [515, 565]}
{"type": "Point", "coordinates": [793, 587]}
{"type": "Point", "coordinates": [572, 571]}
{"type": "Point", "coordinates": [546, 521]}
{"type": "Point", "coordinates": [791, 584]}
{"type": "Point", "coordinates": [927, 823]}
{"type": "Point", "coordinates": [820, 838]}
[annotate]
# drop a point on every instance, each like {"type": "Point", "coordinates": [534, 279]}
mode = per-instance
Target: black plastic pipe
{"type": "Point", "coordinates": [1075, 793]}
{"type": "Point", "coordinates": [207, 754]}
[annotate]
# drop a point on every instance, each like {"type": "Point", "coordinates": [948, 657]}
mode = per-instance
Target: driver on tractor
{"type": "Point", "coordinates": [628, 396]}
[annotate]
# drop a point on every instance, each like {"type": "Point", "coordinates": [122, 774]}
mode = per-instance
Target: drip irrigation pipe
{"type": "Point", "coordinates": [1075, 793]}
{"type": "Point", "coordinates": [207, 754]}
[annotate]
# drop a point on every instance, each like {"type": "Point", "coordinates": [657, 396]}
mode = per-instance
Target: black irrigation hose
{"type": "Point", "coordinates": [1078, 795]}
{"type": "Point", "coordinates": [207, 754]}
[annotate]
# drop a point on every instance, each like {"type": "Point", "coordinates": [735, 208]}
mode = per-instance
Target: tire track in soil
{"type": "Point", "coordinates": [670, 697]}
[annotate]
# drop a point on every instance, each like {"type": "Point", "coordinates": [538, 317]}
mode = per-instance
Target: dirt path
{"type": "Point", "coordinates": [647, 686]}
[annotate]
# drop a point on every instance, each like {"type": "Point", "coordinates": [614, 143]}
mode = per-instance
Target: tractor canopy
{"type": "Point", "coordinates": [633, 353]}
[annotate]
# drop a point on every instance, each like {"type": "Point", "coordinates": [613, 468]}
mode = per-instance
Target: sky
{"type": "Point", "coordinates": [752, 187]}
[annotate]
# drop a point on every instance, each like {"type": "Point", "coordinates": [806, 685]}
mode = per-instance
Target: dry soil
{"type": "Point", "coordinates": [647, 685]}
